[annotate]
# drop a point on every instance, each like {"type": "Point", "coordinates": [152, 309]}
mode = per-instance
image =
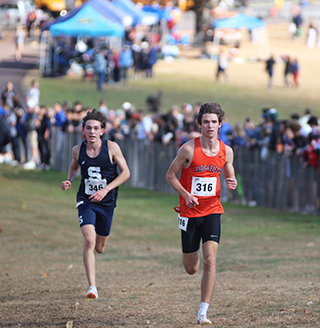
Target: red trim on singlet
{"type": "Point", "coordinates": [203, 166]}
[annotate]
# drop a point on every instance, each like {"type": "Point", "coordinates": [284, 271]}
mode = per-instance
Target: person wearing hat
{"type": "Point", "coordinates": [129, 110]}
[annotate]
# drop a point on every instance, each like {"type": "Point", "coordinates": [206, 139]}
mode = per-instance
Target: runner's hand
{"type": "Point", "coordinates": [192, 201]}
{"type": "Point", "coordinates": [231, 183]}
{"type": "Point", "coordinates": [99, 195]}
{"type": "Point", "coordinates": [65, 185]}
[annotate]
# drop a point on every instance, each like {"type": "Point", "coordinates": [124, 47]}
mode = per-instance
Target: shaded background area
{"type": "Point", "coordinates": [10, 70]}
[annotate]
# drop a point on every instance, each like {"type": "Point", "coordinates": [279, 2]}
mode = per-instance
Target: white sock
{"type": "Point", "coordinates": [203, 308]}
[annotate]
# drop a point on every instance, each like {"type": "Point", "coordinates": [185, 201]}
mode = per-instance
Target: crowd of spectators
{"type": "Point", "coordinates": [25, 134]}
{"type": "Point", "coordinates": [92, 58]}
{"type": "Point", "coordinates": [139, 50]}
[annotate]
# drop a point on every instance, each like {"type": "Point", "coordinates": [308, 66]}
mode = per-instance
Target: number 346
{"type": "Point", "coordinates": [94, 188]}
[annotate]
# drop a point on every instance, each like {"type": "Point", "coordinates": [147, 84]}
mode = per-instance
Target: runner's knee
{"type": "Point", "coordinates": [101, 243]}
{"type": "Point", "coordinates": [209, 262]}
{"type": "Point", "coordinates": [191, 270]}
{"type": "Point", "coordinates": [100, 248]}
{"type": "Point", "coordinates": [90, 243]}
{"type": "Point", "coordinates": [191, 267]}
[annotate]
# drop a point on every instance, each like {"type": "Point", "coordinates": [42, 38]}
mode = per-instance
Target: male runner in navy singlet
{"type": "Point", "coordinates": [98, 160]}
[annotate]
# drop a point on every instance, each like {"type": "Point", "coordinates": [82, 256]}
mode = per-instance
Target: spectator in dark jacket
{"type": "Point", "coordinates": [275, 129]}
{"type": "Point", "coordinates": [8, 94]}
{"type": "Point", "coordinates": [152, 59]}
{"type": "Point", "coordinates": [269, 68]}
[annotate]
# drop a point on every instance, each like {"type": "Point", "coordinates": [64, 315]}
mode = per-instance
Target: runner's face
{"type": "Point", "coordinates": [93, 131]}
{"type": "Point", "coordinates": [210, 125]}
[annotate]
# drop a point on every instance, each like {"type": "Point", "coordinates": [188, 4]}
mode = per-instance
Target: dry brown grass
{"type": "Point", "coordinates": [268, 263]}
{"type": "Point", "coordinates": [253, 73]}
{"type": "Point", "coordinates": [248, 80]}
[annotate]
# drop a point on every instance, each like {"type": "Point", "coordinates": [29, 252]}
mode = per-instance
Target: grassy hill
{"type": "Point", "coordinates": [189, 79]}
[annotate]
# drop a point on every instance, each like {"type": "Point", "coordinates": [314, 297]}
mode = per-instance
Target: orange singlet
{"type": "Point", "coordinates": [202, 179]}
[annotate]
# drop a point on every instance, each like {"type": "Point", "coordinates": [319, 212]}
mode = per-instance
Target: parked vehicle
{"type": "Point", "coordinates": [55, 8]}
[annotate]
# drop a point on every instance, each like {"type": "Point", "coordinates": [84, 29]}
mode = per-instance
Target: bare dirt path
{"type": "Point", "coordinates": [10, 70]}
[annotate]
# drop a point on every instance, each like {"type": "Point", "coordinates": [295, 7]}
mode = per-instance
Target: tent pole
{"type": "Point", "coordinates": [49, 57]}
{"type": "Point", "coordinates": [267, 42]}
{"type": "Point", "coordinates": [42, 54]}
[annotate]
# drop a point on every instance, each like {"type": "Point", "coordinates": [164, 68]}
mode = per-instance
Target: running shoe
{"type": "Point", "coordinates": [203, 320]}
{"type": "Point", "coordinates": [92, 293]}
{"type": "Point", "coordinates": [30, 165]}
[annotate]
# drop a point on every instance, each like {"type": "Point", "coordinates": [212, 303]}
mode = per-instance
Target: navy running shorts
{"type": "Point", "coordinates": [99, 216]}
{"type": "Point", "coordinates": [205, 228]}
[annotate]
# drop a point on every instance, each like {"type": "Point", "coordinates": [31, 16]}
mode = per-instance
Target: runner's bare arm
{"type": "Point", "coordinates": [73, 170]}
{"type": "Point", "coordinates": [184, 156]}
{"type": "Point", "coordinates": [229, 173]}
{"type": "Point", "coordinates": [116, 157]}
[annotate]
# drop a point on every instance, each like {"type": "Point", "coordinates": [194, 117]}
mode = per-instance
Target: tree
{"type": "Point", "coordinates": [185, 5]}
{"type": "Point", "coordinates": [197, 6]}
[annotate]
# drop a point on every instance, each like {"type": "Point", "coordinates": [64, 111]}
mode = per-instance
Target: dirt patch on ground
{"type": "Point", "coordinates": [268, 267]}
{"type": "Point", "coordinates": [136, 293]}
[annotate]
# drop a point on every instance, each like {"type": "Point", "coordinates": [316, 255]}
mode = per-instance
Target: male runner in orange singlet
{"type": "Point", "coordinates": [201, 161]}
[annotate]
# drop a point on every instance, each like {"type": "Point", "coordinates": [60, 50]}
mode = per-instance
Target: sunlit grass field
{"type": "Point", "coordinates": [192, 80]}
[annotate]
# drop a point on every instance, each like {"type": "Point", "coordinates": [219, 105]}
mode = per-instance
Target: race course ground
{"type": "Point", "coordinates": [268, 263]}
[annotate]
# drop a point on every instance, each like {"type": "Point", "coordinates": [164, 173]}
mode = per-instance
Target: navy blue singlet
{"type": "Point", "coordinates": [96, 173]}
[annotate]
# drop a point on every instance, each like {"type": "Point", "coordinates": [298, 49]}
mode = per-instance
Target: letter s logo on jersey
{"type": "Point", "coordinates": [80, 219]}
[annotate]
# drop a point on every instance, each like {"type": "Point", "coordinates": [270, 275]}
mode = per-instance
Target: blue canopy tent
{"type": "Point", "coordinates": [110, 11]}
{"type": "Point", "coordinates": [242, 21]}
{"type": "Point", "coordinates": [61, 19]}
{"type": "Point", "coordinates": [239, 21]}
{"type": "Point", "coordinates": [87, 22]}
{"type": "Point", "coordinates": [163, 13]}
{"type": "Point", "coordinates": [105, 7]}
{"type": "Point", "coordinates": [139, 16]}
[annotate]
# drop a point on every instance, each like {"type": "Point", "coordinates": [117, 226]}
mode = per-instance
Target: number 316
{"type": "Point", "coordinates": [204, 187]}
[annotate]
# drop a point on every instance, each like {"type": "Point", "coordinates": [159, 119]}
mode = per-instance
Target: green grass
{"type": "Point", "coordinates": [33, 201]}
{"type": "Point", "coordinates": [183, 85]}
{"type": "Point", "coordinates": [267, 261]}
